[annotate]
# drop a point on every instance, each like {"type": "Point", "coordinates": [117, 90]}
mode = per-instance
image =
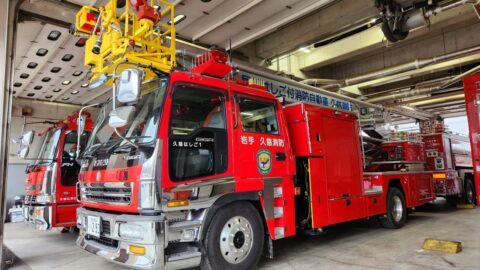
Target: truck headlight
{"type": "Point", "coordinates": [147, 195]}
{"type": "Point", "coordinates": [44, 198]}
{"type": "Point", "coordinates": [131, 231]}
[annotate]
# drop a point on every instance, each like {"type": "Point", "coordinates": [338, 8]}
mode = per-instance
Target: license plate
{"type": "Point", "coordinates": [93, 226]}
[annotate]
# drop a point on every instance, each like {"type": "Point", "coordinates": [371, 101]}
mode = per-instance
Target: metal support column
{"type": "Point", "coordinates": [8, 11]}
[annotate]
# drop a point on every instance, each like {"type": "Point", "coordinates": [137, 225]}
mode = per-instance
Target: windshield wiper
{"type": "Point", "coordinates": [128, 146]}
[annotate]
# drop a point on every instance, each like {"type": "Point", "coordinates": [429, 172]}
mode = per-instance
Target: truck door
{"type": "Point", "coordinates": [197, 134]}
{"type": "Point", "coordinates": [262, 154]}
{"type": "Point", "coordinates": [343, 168]}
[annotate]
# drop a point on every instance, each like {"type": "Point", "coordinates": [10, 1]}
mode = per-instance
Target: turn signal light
{"type": "Point", "coordinates": [177, 203]}
{"type": "Point", "coordinates": [137, 250]}
{"type": "Point", "coordinates": [439, 176]}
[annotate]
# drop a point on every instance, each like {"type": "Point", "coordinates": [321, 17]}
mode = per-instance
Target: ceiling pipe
{"type": "Point", "coordinates": [321, 81]}
{"type": "Point", "coordinates": [424, 84]}
{"type": "Point", "coordinates": [453, 91]}
{"type": "Point", "coordinates": [406, 94]}
{"type": "Point", "coordinates": [416, 64]}
{"type": "Point", "coordinates": [439, 100]}
{"type": "Point", "coordinates": [450, 6]}
{"type": "Point", "coordinates": [428, 90]}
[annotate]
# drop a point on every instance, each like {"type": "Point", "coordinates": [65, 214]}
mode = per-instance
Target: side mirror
{"type": "Point", "coordinates": [25, 142]}
{"type": "Point", "coordinates": [129, 83]}
{"type": "Point", "coordinates": [27, 137]}
{"type": "Point", "coordinates": [121, 116]}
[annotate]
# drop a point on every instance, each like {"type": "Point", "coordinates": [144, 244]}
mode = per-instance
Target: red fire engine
{"type": "Point", "coordinates": [186, 168]}
{"type": "Point", "coordinates": [444, 154]}
{"type": "Point", "coordinates": [50, 190]}
{"type": "Point", "coordinates": [448, 157]}
{"type": "Point", "coordinates": [210, 170]}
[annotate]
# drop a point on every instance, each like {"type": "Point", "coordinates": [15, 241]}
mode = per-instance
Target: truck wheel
{"type": "Point", "coordinates": [396, 209]}
{"type": "Point", "coordinates": [452, 200]}
{"type": "Point", "coordinates": [234, 239]}
{"type": "Point", "coordinates": [469, 192]}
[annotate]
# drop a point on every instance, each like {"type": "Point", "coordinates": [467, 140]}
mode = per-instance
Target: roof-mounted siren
{"type": "Point", "coordinates": [212, 63]}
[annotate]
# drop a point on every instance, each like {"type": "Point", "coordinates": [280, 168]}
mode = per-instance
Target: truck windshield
{"type": "Point", "coordinates": [141, 130]}
{"type": "Point", "coordinates": [46, 152]}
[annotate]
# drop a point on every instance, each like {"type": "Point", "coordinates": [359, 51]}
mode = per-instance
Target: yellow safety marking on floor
{"type": "Point", "coordinates": [465, 206]}
{"type": "Point", "coordinates": [442, 245]}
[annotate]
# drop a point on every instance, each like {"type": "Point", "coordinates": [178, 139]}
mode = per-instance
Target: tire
{"type": "Point", "coordinates": [234, 239]}
{"type": "Point", "coordinates": [470, 194]}
{"type": "Point", "coordinates": [452, 200]}
{"type": "Point", "coordinates": [396, 210]}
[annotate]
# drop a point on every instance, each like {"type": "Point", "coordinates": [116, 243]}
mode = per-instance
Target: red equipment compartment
{"type": "Point", "coordinates": [417, 186]}
{"type": "Point", "coordinates": [330, 136]}
{"type": "Point", "coordinates": [438, 152]}
{"type": "Point", "coordinates": [404, 151]}
{"type": "Point", "coordinates": [308, 125]}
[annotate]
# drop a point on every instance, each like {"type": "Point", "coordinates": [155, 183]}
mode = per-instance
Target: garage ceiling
{"type": "Point", "coordinates": [261, 30]}
{"type": "Point", "coordinates": [52, 69]}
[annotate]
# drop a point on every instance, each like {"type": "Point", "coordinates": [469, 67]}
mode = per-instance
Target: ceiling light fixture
{"type": "Point", "coordinates": [179, 18]}
{"type": "Point", "coordinates": [54, 35]}
{"type": "Point", "coordinates": [304, 49]}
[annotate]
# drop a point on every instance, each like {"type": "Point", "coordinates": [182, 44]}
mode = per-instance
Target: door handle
{"type": "Point", "coordinates": [280, 156]}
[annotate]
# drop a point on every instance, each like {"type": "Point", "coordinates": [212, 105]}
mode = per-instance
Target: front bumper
{"type": "Point", "coordinates": [115, 249]}
{"type": "Point", "coordinates": [40, 217]}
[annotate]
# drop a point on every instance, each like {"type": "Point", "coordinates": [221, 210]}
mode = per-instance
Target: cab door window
{"type": "Point", "coordinates": [70, 167]}
{"type": "Point", "coordinates": [258, 116]}
{"type": "Point", "coordinates": [198, 135]}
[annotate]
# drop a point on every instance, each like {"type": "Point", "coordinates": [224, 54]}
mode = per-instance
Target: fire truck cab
{"type": "Point", "coordinates": [50, 188]}
{"type": "Point", "coordinates": [202, 171]}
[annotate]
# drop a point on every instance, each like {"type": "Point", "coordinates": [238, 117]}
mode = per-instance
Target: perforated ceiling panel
{"type": "Point", "coordinates": [49, 61]}
{"type": "Point", "coordinates": [51, 66]}
{"type": "Point", "coordinates": [29, 72]}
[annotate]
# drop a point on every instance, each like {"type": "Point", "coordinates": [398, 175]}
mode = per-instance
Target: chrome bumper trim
{"type": "Point", "coordinates": [154, 242]}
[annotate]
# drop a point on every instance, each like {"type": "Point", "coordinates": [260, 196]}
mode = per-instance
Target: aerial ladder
{"type": "Point", "coordinates": [123, 34]}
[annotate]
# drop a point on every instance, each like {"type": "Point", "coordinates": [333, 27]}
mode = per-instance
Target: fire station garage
{"type": "Point", "coordinates": [239, 134]}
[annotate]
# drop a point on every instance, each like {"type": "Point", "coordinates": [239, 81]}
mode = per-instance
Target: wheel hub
{"type": "Point", "coordinates": [397, 211]}
{"type": "Point", "coordinates": [236, 239]}
{"type": "Point", "coordinates": [239, 240]}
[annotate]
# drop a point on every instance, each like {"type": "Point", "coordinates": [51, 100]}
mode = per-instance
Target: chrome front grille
{"type": "Point", "coordinates": [112, 193]}
{"type": "Point", "coordinates": [103, 240]}
{"type": "Point", "coordinates": [106, 227]}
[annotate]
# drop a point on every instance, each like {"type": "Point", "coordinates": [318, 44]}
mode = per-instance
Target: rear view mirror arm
{"type": "Point", "coordinates": [79, 132]}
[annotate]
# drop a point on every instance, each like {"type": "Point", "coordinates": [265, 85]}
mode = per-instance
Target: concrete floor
{"type": "Point", "coordinates": [358, 245]}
